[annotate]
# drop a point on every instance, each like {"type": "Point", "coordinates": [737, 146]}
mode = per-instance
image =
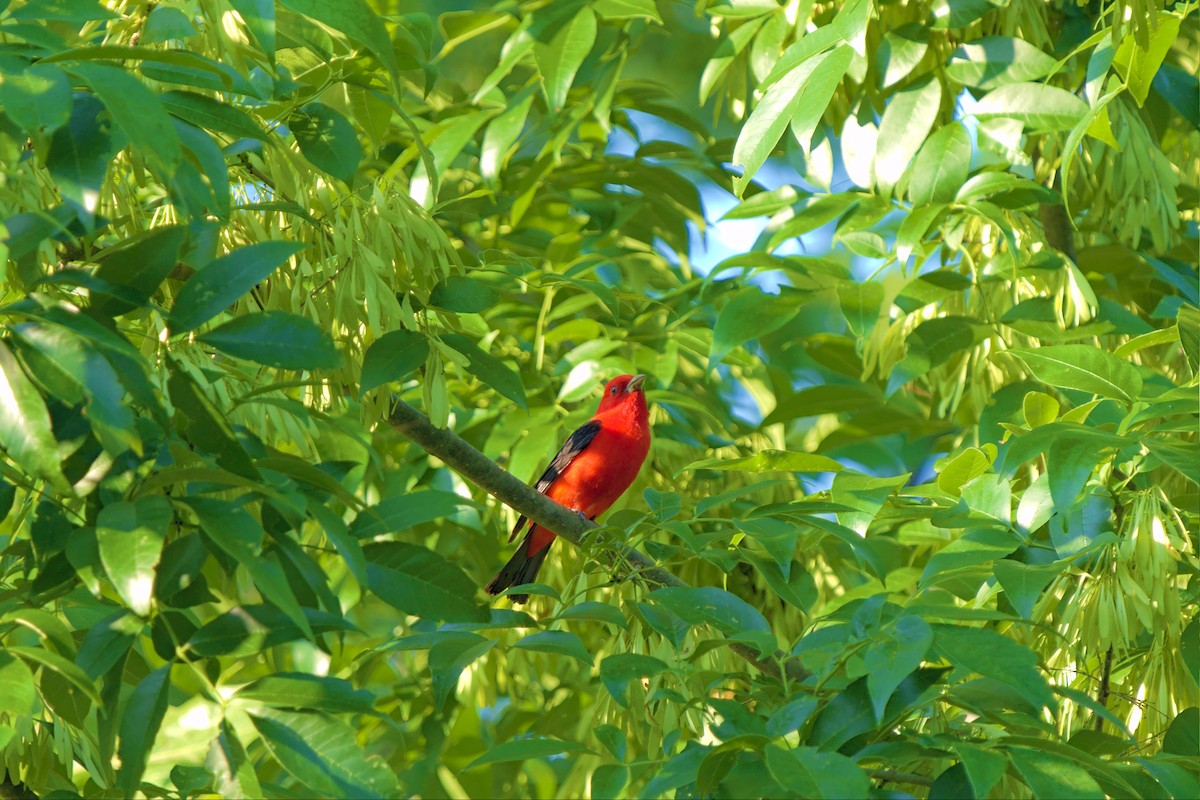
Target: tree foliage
{"type": "Point", "coordinates": [930, 428]}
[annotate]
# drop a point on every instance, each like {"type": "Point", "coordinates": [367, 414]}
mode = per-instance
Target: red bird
{"type": "Point", "coordinates": [592, 469]}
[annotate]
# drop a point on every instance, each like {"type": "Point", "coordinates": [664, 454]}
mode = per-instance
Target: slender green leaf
{"type": "Point", "coordinates": [525, 749]}
{"type": "Point", "coordinates": [131, 537]}
{"type": "Point", "coordinates": [1083, 367]}
{"type": "Point", "coordinates": [140, 722]}
{"type": "Point", "coordinates": [418, 581]}
{"type": "Point", "coordinates": [1039, 106]}
{"type": "Point", "coordinates": [219, 285]}
{"type": "Point", "coordinates": [562, 643]}
{"type": "Point", "coordinates": [25, 432]}
{"type": "Point", "coordinates": [321, 751]}
{"type": "Point", "coordinates": [489, 369]}
{"type": "Point", "coordinates": [327, 140]}
{"type": "Point", "coordinates": [941, 166]}
{"type": "Point", "coordinates": [275, 338]}
{"type": "Point", "coordinates": [770, 461]}
{"type": "Point", "coordinates": [906, 122]}
{"type": "Point", "coordinates": [391, 357]}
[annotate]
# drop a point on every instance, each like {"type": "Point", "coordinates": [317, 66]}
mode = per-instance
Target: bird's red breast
{"type": "Point", "coordinates": [606, 466]}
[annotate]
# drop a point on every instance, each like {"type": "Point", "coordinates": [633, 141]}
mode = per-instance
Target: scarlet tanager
{"type": "Point", "coordinates": [592, 469]}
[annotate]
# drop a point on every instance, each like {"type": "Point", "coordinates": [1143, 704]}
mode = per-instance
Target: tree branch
{"type": "Point", "coordinates": [473, 465]}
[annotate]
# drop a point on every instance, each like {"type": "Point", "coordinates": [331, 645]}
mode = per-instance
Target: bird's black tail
{"type": "Point", "coordinates": [521, 568]}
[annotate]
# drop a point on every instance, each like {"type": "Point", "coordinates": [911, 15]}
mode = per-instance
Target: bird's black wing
{"type": "Point", "coordinates": [574, 445]}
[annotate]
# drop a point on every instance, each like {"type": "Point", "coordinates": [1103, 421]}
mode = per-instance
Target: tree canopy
{"type": "Point", "coordinates": [915, 285]}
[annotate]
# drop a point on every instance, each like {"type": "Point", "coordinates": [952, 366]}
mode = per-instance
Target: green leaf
{"type": "Point", "coordinates": [17, 695]}
{"type": "Point", "coordinates": [832, 398]}
{"type": "Point", "coordinates": [1083, 367]}
{"type": "Point", "coordinates": [391, 357]}
{"type": "Point", "coordinates": [448, 658]}
{"type": "Point", "coordinates": [616, 671]}
{"type": "Point", "coordinates": [107, 642]}
{"type": "Point", "coordinates": [1189, 335]}
{"type": "Point", "coordinates": [137, 111]}
{"type": "Point", "coordinates": [561, 643]}
{"type": "Point", "coordinates": [525, 749]}
{"type": "Point", "coordinates": [906, 122]}
{"type": "Point", "coordinates": [958, 13]}
{"type": "Point", "coordinates": [219, 284]}
{"type": "Point", "coordinates": [1006, 190]}
{"type": "Point", "coordinates": [900, 52]}
{"type": "Point", "coordinates": [817, 92]}
{"type": "Point", "coordinates": [770, 461]}
{"type": "Point", "coordinates": [613, 739]}
{"type": "Point", "coordinates": [776, 536]}
{"type": "Point", "coordinates": [327, 140]}
{"type": "Point", "coordinates": [233, 773]}
{"type": "Point", "coordinates": [1177, 781]}
{"type": "Point", "coordinates": [53, 662]}
{"type": "Point", "coordinates": [997, 60]}
{"type": "Point", "coordinates": [403, 511]}
{"type": "Point", "coordinates": [1023, 583]}
{"type": "Point", "coordinates": [131, 536]}
{"type": "Point", "coordinates": [1139, 62]}
{"type": "Point", "coordinates": [353, 18]}
{"type": "Point", "coordinates": [608, 780]}
{"type": "Point", "coordinates": [275, 338]}
{"type": "Point", "coordinates": [140, 722]}
{"type": "Point", "coordinates": [205, 426]}
{"type": "Point", "coordinates": [1189, 648]}
{"type": "Point", "coordinates": [322, 752]}
{"type": "Point", "coordinates": [984, 767]}
{"type": "Point", "coordinates": [304, 691]}
{"type": "Point", "coordinates": [972, 548]}
{"type": "Point", "coordinates": [774, 112]}
{"type": "Point", "coordinates": [489, 369]}
{"type": "Point", "coordinates": [213, 115]}
{"type": "Point", "coordinates": [141, 264]}
{"type": "Point", "coordinates": [1052, 775]}
{"type": "Point", "coordinates": [808, 772]}
{"type": "Point", "coordinates": [594, 611]}
{"type": "Point", "coordinates": [1183, 734]}
{"type": "Point", "coordinates": [418, 581]}
{"type": "Point", "coordinates": [166, 23]}
{"type": "Point", "coordinates": [964, 468]}
{"type": "Point", "coordinates": [897, 650]}
{"type": "Point", "coordinates": [72, 369]}
{"type": "Point", "coordinates": [25, 432]}
{"type": "Point", "coordinates": [626, 9]}
{"type": "Point", "coordinates": [463, 295]}
{"type": "Point", "coordinates": [1041, 108]}
{"type": "Point", "coordinates": [79, 155]}
{"type": "Point", "coordinates": [560, 51]}
{"type": "Point", "coordinates": [751, 314]}
{"type": "Point", "coordinates": [250, 629]}
{"type": "Point", "coordinates": [712, 606]}
{"type": "Point", "coordinates": [989, 654]}
{"type": "Point", "coordinates": [941, 167]}
{"type": "Point", "coordinates": [35, 96]}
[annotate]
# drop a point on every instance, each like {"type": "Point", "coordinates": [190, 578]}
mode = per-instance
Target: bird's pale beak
{"type": "Point", "coordinates": [635, 383]}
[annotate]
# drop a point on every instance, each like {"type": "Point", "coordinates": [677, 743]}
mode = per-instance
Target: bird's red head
{"type": "Point", "coordinates": [621, 390]}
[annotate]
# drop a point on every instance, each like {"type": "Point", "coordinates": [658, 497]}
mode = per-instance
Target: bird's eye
{"type": "Point", "coordinates": [614, 391]}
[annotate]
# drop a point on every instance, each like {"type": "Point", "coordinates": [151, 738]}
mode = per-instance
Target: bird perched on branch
{"type": "Point", "coordinates": [593, 468]}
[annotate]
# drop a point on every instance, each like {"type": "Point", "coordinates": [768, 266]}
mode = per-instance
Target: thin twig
{"type": "Point", "coordinates": [473, 465]}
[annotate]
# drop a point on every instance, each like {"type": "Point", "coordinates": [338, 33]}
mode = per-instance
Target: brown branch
{"type": "Point", "coordinates": [473, 465]}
